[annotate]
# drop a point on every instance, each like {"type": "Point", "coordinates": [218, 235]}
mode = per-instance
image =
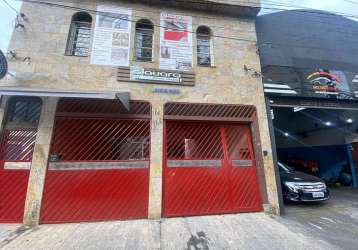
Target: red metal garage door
{"type": "Point", "coordinates": [16, 154]}
{"type": "Point", "coordinates": [16, 149]}
{"type": "Point", "coordinates": [210, 169]}
{"type": "Point", "coordinates": [99, 170]}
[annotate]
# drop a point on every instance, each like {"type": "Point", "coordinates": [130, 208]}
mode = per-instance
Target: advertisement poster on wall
{"type": "Point", "coordinates": [176, 49]}
{"type": "Point", "coordinates": [111, 42]}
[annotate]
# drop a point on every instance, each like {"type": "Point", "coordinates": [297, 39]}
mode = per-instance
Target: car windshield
{"type": "Point", "coordinates": [284, 168]}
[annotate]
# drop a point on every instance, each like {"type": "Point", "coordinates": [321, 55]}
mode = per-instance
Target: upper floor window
{"type": "Point", "coordinates": [144, 40]}
{"type": "Point", "coordinates": [80, 35]}
{"type": "Point", "coordinates": [204, 46]}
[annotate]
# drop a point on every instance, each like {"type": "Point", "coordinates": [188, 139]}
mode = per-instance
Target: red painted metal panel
{"type": "Point", "coordinates": [17, 146]}
{"type": "Point", "coordinates": [207, 110]}
{"type": "Point", "coordinates": [209, 169]}
{"type": "Point", "coordinates": [100, 107]}
{"type": "Point", "coordinates": [243, 180]}
{"type": "Point", "coordinates": [95, 195]}
{"type": "Point", "coordinates": [86, 139]}
{"type": "Point", "coordinates": [104, 173]}
{"type": "Point", "coordinates": [195, 191]}
{"type": "Point", "coordinates": [186, 187]}
{"type": "Point", "coordinates": [12, 194]}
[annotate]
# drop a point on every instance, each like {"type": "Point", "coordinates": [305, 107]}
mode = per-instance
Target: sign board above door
{"type": "Point", "coordinates": [158, 76]}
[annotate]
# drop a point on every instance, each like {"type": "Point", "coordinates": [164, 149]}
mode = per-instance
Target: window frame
{"type": "Point", "coordinates": [210, 46]}
{"type": "Point", "coordinates": [11, 105]}
{"type": "Point", "coordinates": [148, 23]}
{"type": "Point", "coordinates": [73, 33]}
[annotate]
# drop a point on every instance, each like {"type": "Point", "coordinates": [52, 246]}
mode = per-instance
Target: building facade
{"type": "Point", "coordinates": [125, 109]}
{"type": "Point", "coordinates": [310, 82]}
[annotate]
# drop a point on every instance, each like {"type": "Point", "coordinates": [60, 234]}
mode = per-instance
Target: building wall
{"type": "Point", "coordinates": [44, 41]}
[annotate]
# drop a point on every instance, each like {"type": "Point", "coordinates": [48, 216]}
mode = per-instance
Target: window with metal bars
{"type": "Point", "coordinates": [80, 35]}
{"type": "Point", "coordinates": [19, 135]}
{"type": "Point", "coordinates": [144, 40]}
{"type": "Point", "coordinates": [204, 50]}
{"type": "Point", "coordinates": [23, 112]}
{"type": "Point", "coordinates": [193, 142]}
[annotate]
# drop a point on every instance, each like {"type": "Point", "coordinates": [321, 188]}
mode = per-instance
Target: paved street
{"type": "Point", "coordinates": [329, 225]}
{"type": "Point", "coordinates": [242, 231]}
{"type": "Point", "coordinates": [335, 221]}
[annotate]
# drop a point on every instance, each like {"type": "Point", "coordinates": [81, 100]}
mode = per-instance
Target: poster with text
{"type": "Point", "coordinates": [176, 49]}
{"type": "Point", "coordinates": [111, 42]}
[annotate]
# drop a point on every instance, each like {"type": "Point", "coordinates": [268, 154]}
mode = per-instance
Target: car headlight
{"type": "Point", "coordinates": [293, 186]}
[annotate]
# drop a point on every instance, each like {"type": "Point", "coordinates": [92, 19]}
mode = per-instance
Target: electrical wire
{"type": "Point", "coordinates": [159, 12]}
{"type": "Point", "coordinates": [217, 36]}
{"type": "Point", "coordinates": [352, 2]}
{"type": "Point", "coordinates": [216, 27]}
{"type": "Point", "coordinates": [220, 4]}
{"type": "Point", "coordinates": [221, 27]}
{"type": "Point", "coordinates": [303, 10]}
{"type": "Point", "coordinates": [108, 14]}
{"type": "Point", "coordinates": [10, 6]}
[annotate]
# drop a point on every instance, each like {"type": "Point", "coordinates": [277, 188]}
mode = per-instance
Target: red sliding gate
{"type": "Point", "coordinates": [100, 163]}
{"type": "Point", "coordinates": [210, 168]}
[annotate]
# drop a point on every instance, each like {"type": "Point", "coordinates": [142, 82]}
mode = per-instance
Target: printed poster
{"type": "Point", "coordinates": [111, 42]}
{"type": "Point", "coordinates": [176, 49]}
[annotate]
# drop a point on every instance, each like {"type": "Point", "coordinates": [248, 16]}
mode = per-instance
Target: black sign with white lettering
{"type": "Point", "coordinates": [306, 82]}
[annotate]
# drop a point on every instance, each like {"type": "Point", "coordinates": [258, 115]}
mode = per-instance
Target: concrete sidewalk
{"type": "Point", "coordinates": [241, 231]}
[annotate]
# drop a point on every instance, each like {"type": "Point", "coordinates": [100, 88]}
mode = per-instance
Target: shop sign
{"type": "Point", "coordinates": [317, 83]}
{"type": "Point", "coordinates": [157, 76]}
{"type": "Point", "coordinates": [153, 75]}
{"type": "Point", "coordinates": [329, 82]}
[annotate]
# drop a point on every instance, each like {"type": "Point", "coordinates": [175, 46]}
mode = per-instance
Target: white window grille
{"type": "Point", "coordinates": [204, 46]}
{"type": "Point", "coordinates": [144, 41]}
{"type": "Point", "coordinates": [80, 35]}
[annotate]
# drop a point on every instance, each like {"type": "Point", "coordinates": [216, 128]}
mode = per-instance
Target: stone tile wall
{"type": "Point", "coordinates": [44, 41]}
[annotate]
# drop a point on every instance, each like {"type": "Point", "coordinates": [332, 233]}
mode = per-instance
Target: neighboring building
{"type": "Point", "coordinates": [134, 109]}
{"type": "Point", "coordinates": [310, 76]}
{"type": "Point", "coordinates": [294, 45]}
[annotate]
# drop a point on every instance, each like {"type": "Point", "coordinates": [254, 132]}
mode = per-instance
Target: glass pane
{"type": "Point", "coordinates": [194, 142]}
{"type": "Point", "coordinates": [203, 50]}
{"type": "Point", "coordinates": [238, 147]}
{"type": "Point", "coordinates": [101, 140]}
{"type": "Point", "coordinates": [80, 40]}
{"type": "Point", "coordinates": [144, 42]}
{"type": "Point", "coordinates": [19, 145]}
{"type": "Point", "coordinates": [25, 112]}
{"type": "Point", "coordinates": [204, 59]}
{"type": "Point", "coordinates": [239, 151]}
{"type": "Point", "coordinates": [132, 148]}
